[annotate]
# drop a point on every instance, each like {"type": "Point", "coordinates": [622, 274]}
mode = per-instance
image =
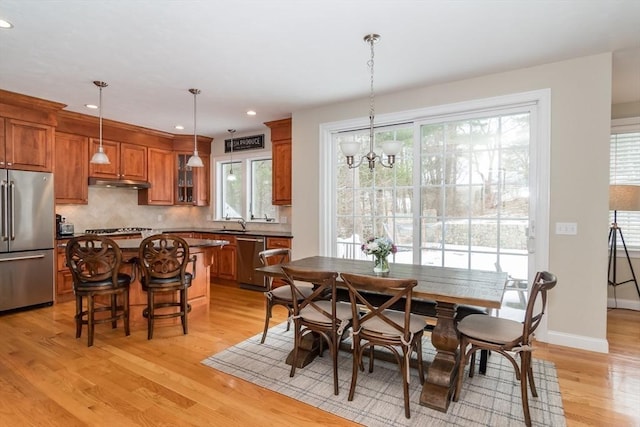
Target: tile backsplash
{"type": "Point", "coordinates": [118, 207]}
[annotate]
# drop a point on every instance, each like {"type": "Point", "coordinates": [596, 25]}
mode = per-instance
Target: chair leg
{"type": "Point", "coordinates": [404, 371]}
{"type": "Point", "coordinates": [333, 348]}
{"type": "Point", "coordinates": [484, 356]}
{"type": "Point", "coordinates": [371, 354]}
{"type": "Point", "coordinates": [357, 364]}
{"type": "Point", "coordinates": [114, 310]}
{"type": "Point", "coordinates": [125, 307]}
{"type": "Point", "coordinates": [525, 360]}
{"type": "Point", "coordinates": [78, 316]}
{"type": "Point", "coordinates": [185, 310]}
{"type": "Point", "coordinates": [472, 363]}
{"type": "Point", "coordinates": [419, 357]}
{"type": "Point", "coordinates": [150, 314]}
{"type": "Point", "coordinates": [532, 383]}
{"type": "Point", "coordinates": [90, 325]}
{"type": "Point", "coordinates": [296, 345]}
{"type": "Point", "coordinates": [267, 318]}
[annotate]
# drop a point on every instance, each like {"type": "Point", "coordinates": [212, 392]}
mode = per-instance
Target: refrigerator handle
{"type": "Point", "coordinates": [12, 219]}
{"type": "Point", "coordinates": [4, 212]}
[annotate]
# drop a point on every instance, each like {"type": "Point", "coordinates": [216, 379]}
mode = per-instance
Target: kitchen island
{"type": "Point", "coordinates": [199, 292]}
{"type": "Point", "coordinates": [204, 250]}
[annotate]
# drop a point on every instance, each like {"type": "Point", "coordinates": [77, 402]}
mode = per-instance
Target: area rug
{"type": "Point", "coordinates": [490, 400]}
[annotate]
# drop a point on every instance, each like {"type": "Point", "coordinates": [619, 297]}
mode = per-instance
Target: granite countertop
{"type": "Point", "coordinates": [232, 232]}
{"type": "Point", "coordinates": [193, 243]}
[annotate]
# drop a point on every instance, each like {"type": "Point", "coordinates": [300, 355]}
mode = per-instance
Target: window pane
{"type": "Point", "coordinates": [231, 190]}
{"type": "Point", "coordinates": [473, 205]}
{"type": "Point", "coordinates": [261, 207]}
{"type": "Point", "coordinates": [625, 170]}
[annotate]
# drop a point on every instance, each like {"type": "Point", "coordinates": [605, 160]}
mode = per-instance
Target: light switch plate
{"type": "Point", "coordinates": [569, 228]}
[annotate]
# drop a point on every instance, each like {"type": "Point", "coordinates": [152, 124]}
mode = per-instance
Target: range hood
{"type": "Point", "coordinates": [119, 183]}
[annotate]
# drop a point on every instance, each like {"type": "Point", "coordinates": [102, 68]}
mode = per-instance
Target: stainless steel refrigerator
{"type": "Point", "coordinates": [26, 239]}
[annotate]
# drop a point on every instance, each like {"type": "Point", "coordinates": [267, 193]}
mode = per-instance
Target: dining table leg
{"type": "Point", "coordinates": [441, 375]}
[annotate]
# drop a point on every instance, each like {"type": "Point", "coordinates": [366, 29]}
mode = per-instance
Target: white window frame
{"type": "Point", "coordinates": [622, 126]}
{"type": "Point", "coordinates": [540, 130]}
{"type": "Point", "coordinates": [244, 163]}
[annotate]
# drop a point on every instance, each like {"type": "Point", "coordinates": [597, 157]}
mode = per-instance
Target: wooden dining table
{"type": "Point", "coordinates": [448, 287]}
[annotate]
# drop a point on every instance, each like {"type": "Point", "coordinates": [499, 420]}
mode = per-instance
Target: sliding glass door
{"type": "Point", "coordinates": [457, 196]}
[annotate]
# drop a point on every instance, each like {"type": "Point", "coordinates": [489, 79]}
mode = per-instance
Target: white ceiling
{"type": "Point", "coordinates": [279, 56]}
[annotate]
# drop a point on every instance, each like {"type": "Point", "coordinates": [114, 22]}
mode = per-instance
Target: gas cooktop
{"type": "Point", "coordinates": [123, 230]}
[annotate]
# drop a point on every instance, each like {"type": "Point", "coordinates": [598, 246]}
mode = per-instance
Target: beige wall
{"type": "Point", "coordinates": [580, 126]}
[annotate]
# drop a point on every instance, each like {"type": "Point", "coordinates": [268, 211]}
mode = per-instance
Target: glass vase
{"type": "Point", "coordinates": [381, 264]}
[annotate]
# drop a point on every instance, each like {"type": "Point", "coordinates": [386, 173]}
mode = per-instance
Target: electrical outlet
{"type": "Point", "coordinates": [283, 219]}
{"type": "Point", "coordinates": [160, 217]}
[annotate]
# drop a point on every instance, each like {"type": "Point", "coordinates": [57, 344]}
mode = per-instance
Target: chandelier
{"type": "Point", "coordinates": [231, 176]}
{"type": "Point", "coordinates": [99, 157]}
{"type": "Point", "coordinates": [389, 148]}
{"type": "Point", "coordinates": [195, 161]}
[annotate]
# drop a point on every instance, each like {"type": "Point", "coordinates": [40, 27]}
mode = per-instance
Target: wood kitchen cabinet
{"type": "Point", "coordinates": [128, 161]}
{"type": "Point", "coordinates": [25, 145]}
{"type": "Point", "coordinates": [71, 168]}
{"type": "Point", "coordinates": [281, 161]}
{"type": "Point", "coordinates": [191, 184]}
{"type": "Point", "coordinates": [64, 279]}
{"type": "Point", "coordinates": [223, 264]}
{"type": "Point", "coordinates": [278, 243]}
{"type": "Point", "coordinates": [161, 176]}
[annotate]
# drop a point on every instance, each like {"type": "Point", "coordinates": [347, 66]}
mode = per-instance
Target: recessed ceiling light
{"type": "Point", "coordinates": [91, 106]}
{"type": "Point", "coordinates": [5, 24]}
{"type": "Point", "coordinates": [179, 127]}
{"type": "Point", "coordinates": [251, 113]}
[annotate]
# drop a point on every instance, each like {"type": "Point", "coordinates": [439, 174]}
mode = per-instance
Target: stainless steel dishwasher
{"type": "Point", "coordinates": [249, 248]}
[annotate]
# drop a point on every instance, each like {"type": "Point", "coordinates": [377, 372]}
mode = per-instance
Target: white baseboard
{"type": "Point", "coordinates": [629, 304]}
{"type": "Point", "coordinates": [577, 341]}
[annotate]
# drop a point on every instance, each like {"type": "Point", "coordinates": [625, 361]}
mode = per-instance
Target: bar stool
{"type": "Point", "coordinates": [163, 260]}
{"type": "Point", "coordinates": [94, 262]}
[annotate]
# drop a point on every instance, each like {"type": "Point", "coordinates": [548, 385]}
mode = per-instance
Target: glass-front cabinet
{"type": "Point", "coordinates": [185, 180]}
{"type": "Point", "coordinates": [192, 183]}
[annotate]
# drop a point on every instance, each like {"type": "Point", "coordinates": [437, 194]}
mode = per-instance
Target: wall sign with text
{"type": "Point", "coordinates": [244, 143]}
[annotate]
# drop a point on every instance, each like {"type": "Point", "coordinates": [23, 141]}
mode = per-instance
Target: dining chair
{"type": "Point", "coordinates": [94, 262]}
{"type": "Point", "coordinates": [505, 336]}
{"type": "Point", "coordinates": [400, 331]}
{"type": "Point", "coordinates": [318, 313]}
{"type": "Point", "coordinates": [163, 261]}
{"type": "Point", "coordinates": [514, 284]}
{"type": "Point", "coordinates": [278, 292]}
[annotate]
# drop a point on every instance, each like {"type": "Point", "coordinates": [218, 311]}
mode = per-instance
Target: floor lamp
{"type": "Point", "coordinates": [621, 198]}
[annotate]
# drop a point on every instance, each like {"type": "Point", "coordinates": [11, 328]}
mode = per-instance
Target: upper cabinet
{"type": "Point", "coordinates": [192, 185]}
{"type": "Point", "coordinates": [161, 177]}
{"type": "Point", "coordinates": [128, 161]}
{"type": "Point", "coordinates": [71, 168]}
{"type": "Point", "coordinates": [27, 128]}
{"type": "Point", "coordinates": [281, 158]}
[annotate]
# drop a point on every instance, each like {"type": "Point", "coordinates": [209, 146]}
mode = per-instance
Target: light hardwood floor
{"type": "Point", "coordinates": [47, 377]}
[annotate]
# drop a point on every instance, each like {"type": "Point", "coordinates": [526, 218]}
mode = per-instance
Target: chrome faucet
{"type": "Point", "coordinates": [243, 223]}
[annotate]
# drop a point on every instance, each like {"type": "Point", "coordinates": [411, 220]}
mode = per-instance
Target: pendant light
{"type": "Point", "coordinates": [231, 176]}
{"type": "Point", "coordinates": [100, 158]}
{"type": "Point", "coordinates": [390, 148]}
{"type": "Point", "coordinates": [195, 161]}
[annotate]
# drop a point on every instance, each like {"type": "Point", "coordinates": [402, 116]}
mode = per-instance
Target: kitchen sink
{"type": "Point", "coordinates": [225, 231]}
